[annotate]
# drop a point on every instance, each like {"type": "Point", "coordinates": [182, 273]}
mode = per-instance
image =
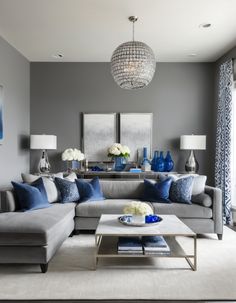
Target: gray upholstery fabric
{"type": "Point", "coordinates": [122, 189]}
{"type": "Point", "coordinates": [182, 210]}
{"type": "Point", "coordinates": [116, 206]}
{"type": "Point", "coordinates": [216, 195]}
{"type": "Point", "coordinates": [37, 227]}
{"type": "Point", "coordinates": [200, 226]}
{"type": "Point", "coordinates": [8, 201]}
{"type": "Point", "coordinates": [202, 199]}
{"type": "Point", "coordinates": [97, 208]}
{"type": "Point", "coordinates": [86, 223]}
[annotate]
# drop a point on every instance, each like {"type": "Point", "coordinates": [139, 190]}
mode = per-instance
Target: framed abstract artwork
{"type": "Point", "coordinates": [1, 114]}
{"type": "Point", "coordinates": [99, 133]}
{"type": "Point", "coordinates": [136, 133]}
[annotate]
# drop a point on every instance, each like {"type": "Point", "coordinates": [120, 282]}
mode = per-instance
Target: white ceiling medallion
{"type": "Point", "coordinates": [133, 63]}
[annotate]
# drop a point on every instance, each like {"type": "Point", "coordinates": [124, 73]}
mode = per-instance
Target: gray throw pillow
{"type": "Point", "coordinates": [202, 199]}
{"type": "Point", "coordinates": [199, 183]}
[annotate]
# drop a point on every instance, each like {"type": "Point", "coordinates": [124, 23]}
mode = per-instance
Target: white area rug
{"type": "Point", "coordinates": [70, 277]}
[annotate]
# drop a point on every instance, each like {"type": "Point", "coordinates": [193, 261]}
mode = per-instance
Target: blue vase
{"type": "Point", "coordinates": [169, 163]}
{"type": "Point", "coordinates": [145, 164]}
{"type": "Point", "coordinates": [119, 163]}
{"type": "Point", "coordinates": [161, 163]}
{"type": "Point", "coordinates": [154, 161]}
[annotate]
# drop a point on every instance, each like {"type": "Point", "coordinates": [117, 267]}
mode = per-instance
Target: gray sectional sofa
{"type": "Point", "coordinates": [34, 237]}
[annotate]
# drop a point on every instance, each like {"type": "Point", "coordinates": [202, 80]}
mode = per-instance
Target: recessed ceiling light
{"type": "Point", "coordinates": [58, 56]}
{"type": "Point", "coordinates": [205, 25]}
{"type": "Point", "coordinates": [192, 55]}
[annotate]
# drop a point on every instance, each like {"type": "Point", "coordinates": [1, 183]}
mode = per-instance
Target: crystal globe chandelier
{"type": "Point", "coordinates": [133, 63]}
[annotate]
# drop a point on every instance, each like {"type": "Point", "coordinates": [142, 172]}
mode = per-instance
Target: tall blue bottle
{"type": "Point", "coordinates": [154, 161]}
{"type": "Point", "coordinates": [169, 163]}
{"type": "Point", "coordinates": [145, 164]}
{"type": "Point", "coordinates": [161, 163]}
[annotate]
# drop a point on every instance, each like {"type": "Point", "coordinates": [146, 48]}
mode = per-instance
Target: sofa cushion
{"type": "Point", "coordinates": [36, 228]}
{"type": "Point", "coordinates": [122, 189]}
{"type": "Point", "coordinates": [202, 199]}
{"type": "Point", "coordinates": [49, 184]}
{"type": "Point", "coordinates": [68, 190]}
{"type": "Point", "coordinates": [183, 210]}
{"type": "Point", "coordinates": [89, 190]}
{"type": "Point", "coordinates": [31, 197]}
{"type": "Point", "coordinates": [97, 208]}
{"type": "Point", "coordinates": [181, 190]}
{"type": "Point", "coordinates": [157, 191]}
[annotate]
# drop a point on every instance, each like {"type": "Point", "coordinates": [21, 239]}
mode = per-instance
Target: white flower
{"type": "Point", "coordinates": [118, 150]}
{"type": "Point", "coordinates": [71, 154]}
{"type": "Point", "coordinates": [138, 208]}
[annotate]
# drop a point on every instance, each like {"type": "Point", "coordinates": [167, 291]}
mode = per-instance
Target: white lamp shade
{"type": "Point", "coordinates": [193, 142]}
{"type": "Point", "coordinates": [43, 142]}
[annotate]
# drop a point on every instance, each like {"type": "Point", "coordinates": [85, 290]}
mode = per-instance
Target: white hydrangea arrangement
{"type": "Point", "coordinates": [71, 154]}
{"type": "Point", "coordinates": [118, 150]}
{"type": "Point", "coordinates": [137, 208]}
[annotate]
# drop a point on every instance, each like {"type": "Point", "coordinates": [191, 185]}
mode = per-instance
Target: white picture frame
{"type": "Point", "coordinates": [99, 133]}
{"type": "Point", "coordinates": [136, 133]}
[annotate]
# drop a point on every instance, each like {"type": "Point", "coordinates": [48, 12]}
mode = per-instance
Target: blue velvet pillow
{"type": "Point", "coordinates": [89, 191]}
{"type": "Point", "coordinates": [181, 190]}
{"type": "Point", "coordinates": [32, 196]}
{"type": "Point", "coordinates": [68, 190]}
{"type": "Point", "coordinates": [158, 191]}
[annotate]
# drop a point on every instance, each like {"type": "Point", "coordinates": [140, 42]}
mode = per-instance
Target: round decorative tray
{"type": "Point", "coordinates": [127, 220]}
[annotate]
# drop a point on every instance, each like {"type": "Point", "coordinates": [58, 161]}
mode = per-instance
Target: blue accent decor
{"type": "Point", "coordinates": [68, 190]}
{"type": "Point", "coordinates": [181, 190]}
{"type": "Point", "coordinates": [168, 162]}
{"type": "Point", "coordinates": [160, 163]}
{"type": "Point", "coordinates": [154, 161]}
{"type": "Point", "coordinates": [31, 197]}
{"type": "Point", "coordinates": [89, 190]}
{"type": "Point", "coordinates": [119, 163]}
{"type": "Point", "coordinates": [145, 157]}
{"type": "Point", "coordinates": [158, 191]}
{"type": "Point", "coordinates": [152, 219]}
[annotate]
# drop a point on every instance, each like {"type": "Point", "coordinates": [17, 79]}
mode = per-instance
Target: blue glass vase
{"type": "Point", "coordinates": [161, 163]}
{"type": "Point", "coordinates": [154, 161]}
{"type": "Point", "coordinates": [145, 164]}
{"type": "Point", "coordinates": [169, 163]}
{"type": "Point", "coordinates": [119, 163]}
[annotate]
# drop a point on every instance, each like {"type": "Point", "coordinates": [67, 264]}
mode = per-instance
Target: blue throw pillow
{"type": "Point", "coordinates": [32, 196]}
{"type": "Point", "coordinates": [158, 191]}
{"type": "Point", "coordinates": [181, 190]}
{"type": "Point", "coordinates": [68, 190]}
{"type": "Point", "coordinates": [89, 191]}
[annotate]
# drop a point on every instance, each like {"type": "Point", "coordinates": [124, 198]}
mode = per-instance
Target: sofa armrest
{"type": "Point", "coordinates": [217, 209]}
{"type": "Point", "coordinates": [8, 201]}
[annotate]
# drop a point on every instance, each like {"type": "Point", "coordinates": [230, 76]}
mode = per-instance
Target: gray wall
{"type": "Point", "coordinates": [181, 97]}
{"type": "Point", "coordinates": [15, 78]}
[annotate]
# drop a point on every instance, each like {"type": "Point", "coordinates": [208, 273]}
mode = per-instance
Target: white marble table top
{"type": "Point", "coordinates": [169, 226]}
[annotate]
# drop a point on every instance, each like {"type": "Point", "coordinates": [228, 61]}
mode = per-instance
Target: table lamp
{"type": "Point", "coordinates": [43, 142]}
{"type": "Point", "coordinates": [192, 142]}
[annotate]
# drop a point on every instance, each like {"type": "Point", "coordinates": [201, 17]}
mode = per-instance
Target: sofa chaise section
{"type": "Point", "coordinates": [33, 237]}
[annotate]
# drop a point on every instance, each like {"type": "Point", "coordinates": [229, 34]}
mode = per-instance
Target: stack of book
{"type": "Point", "coordinates": [155, 245]}
{"type": "Point", "coordinates": [130, 245]}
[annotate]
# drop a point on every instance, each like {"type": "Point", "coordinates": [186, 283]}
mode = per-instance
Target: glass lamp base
{"type": "Point", "coordinates": [44, 166]}
{"type": "Point", "coordinates": [192, 165]}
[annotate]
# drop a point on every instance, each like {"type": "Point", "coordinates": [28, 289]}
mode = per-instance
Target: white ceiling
{"type": "Point", "coordinates": [89, 30]}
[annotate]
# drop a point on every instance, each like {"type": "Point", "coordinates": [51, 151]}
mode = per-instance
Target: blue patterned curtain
{"type": "Point", "coordinates": [223, 137]}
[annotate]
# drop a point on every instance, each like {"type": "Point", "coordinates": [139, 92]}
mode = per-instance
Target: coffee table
{"type": "Point", "coordinates": [109, 229]}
